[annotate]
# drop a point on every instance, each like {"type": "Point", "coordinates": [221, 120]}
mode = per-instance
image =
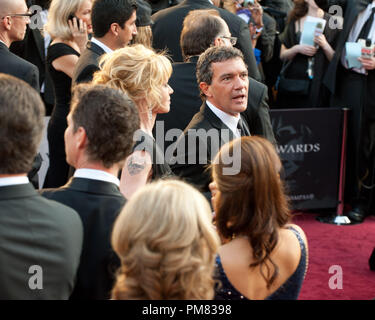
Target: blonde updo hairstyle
{"type": "Point", "coordinates": [166, 243]}
{"type": "Point", "coordinates": [138, 71]}
{"type": "Point", "coordinates": [57, 25]}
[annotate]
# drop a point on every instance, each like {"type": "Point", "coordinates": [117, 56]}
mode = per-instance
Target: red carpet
{"type": "Point", "coordinates": [346, 246]}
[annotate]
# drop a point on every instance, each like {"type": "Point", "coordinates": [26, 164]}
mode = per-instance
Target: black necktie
{"type": "Point", "coordinates": [244, 131]}
{"type": "Point", "coordinates": [364, 33]}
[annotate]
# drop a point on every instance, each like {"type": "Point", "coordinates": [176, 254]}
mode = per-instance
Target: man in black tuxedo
{"type": "Point", "coordinates": [223, 81]}
{"type": "Point", "coordinates": [167, 28]}
{"type": "Point", "coordinates": [14, 18]}
{"type": "Point", "coordinates": [113, 22]}
{"type": "Point", "coordinates": [33, 49]}
{"type": "Point", "coordinates": [353, 88]}
{"type": "Point", "coordinates": [202, 29]}
{"type": "Point", "coordinates": [41, 240]}
{"type": "Point", "coordinates": [98, 138]}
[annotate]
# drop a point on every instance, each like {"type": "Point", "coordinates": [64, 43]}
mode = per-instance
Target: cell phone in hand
{"type": "Point", "coordinates": [71, 16]}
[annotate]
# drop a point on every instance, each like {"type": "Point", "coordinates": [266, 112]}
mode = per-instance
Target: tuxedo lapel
{"type": "Point", "coordinates": [226, 134]}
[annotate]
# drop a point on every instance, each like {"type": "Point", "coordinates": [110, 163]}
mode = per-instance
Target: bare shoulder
{"type": "Point", "coordinates": [299, 229]}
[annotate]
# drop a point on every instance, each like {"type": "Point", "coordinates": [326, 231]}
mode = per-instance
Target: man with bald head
{"type": "Point", "coordinates": [14, 17]}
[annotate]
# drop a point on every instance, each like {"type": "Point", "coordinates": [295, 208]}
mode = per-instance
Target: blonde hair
{"type": "Point", "coordinates": [166, 243]}
{"type": "Point", "coordinates": [143, 36]}
{"type": "Point", "coordinates": [138, 71]}
{"type": "Point", "coordinates": [57, 25]}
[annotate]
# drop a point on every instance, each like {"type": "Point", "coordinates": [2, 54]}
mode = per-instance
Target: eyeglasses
{"type": "Point", "coordinates": [233, 40]}
{"type": "Point", "coordinates": [24, 15]}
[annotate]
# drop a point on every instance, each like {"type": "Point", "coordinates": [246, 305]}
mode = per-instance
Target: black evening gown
{"type": "Point", "coordinates": [58, 171]}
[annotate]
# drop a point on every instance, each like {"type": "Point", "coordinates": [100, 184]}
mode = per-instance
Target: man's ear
{"type": "Point", "coordinates": [205, 89]}
{"type": "Point", "coordinates": [114, 28]}
{"type": "Point", "coordinates": [81, 138]}
{"type": "Point", "coordinates": [218, 42]}
{"type": "Point", "coordinates": [6, 23]}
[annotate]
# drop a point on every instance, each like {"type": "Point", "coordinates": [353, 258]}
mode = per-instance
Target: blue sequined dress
{"type": "Point", "coordinates": [289, 290]}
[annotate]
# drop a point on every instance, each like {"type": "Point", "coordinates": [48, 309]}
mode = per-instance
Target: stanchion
{"type": "Point", "coordinates": [339, 218]}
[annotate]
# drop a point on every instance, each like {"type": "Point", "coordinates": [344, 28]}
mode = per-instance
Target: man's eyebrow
{"type": "Point", "coordinates": [226, 75]}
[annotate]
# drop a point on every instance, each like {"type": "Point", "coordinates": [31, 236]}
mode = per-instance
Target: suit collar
{"type": "Point", "coordinates": [3, 46]}
{"type": "Point", "coordinates": [17, 191]}
{"type": "Point", "coordinates": [93, 186]}
{"type": "Point", "coordinates": [217, 123]}
{"type": "Point", "coordinates": [95, 48]}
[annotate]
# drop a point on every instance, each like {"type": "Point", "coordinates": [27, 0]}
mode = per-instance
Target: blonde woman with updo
{"type": "Point", "coordinates": [69, 23]}
{"type": "Point", "coordinates": [143, 75]}
{"type": "Point", "coordinates": [167, 244]}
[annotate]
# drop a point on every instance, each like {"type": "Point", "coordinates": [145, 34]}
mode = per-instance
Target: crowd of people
{"type": "Point", "coordinates": [164, 180]}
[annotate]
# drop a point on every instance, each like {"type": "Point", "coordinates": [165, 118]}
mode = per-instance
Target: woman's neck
{"type": "Point", "coordinates": [315, 12]}
{"type": "Point", "coordinates": [147, 117]}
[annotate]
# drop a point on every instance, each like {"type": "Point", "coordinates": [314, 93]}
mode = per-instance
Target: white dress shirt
{"type": "Point", "coordinates": [230, 121]}
{"type": "Point", "coordinates": [101, 45]}
{"type": "Point", "coordinates": [13, 181]}
{"type": "Point", "coordinates": [96, 175]}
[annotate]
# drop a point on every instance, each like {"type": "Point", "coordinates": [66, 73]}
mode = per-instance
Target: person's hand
{"type": "Point", "coordinates": [321, 41]}
{"type": "Point", "coordinates": [79, 32]}
{"type": "Point", "coordinates": [368, 64]}
{"type": "Point", "coordinates": [306, 49]}
{"type": "Point", "coordinates": [257, 13]}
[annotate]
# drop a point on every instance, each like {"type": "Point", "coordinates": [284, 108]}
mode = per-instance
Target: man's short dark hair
{"type": "Point", "coordinates": [212, 55]}
{"type": "Point", "coordinates": [109, 118]}
{"type": "Point", "coordinates": [21, 125]}
{"type": "Point", "coordinates": [200, 29]}
{"type": "Point", "coordinates": [106, 12]}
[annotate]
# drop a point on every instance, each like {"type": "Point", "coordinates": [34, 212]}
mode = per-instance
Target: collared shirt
{"type": "Point", "coordinates": [96, 175]}
{"type": "Point", "coordinates": [4, 43]}
{"type": "Point", "coordinates": [354, 33]}
{"type": "Point", "coordinates": [12, 181]}
{"type": "Point", "coordinates": [101, 45]}
{"type": "Point", "coordinates": [230, 121]}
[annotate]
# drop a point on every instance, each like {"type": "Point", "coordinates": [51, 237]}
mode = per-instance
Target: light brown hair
{"type": "Point", "coordinates": [21, 124]}
{"type": "Point", "coordinates": [252, 203]}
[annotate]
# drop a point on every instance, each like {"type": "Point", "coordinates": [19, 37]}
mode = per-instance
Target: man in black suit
{"type": "Point", "coordinates": [98, 138]}
{"type": "Point", "coordinates": [14, 18]}
{"type": "Point", "coordinates": [202, 29]}
{"type": "Point", "coordinates": [113, 22]}
{"type": "Point", "coordinates": [223, 81]}
{"type": "Point", "coordinates": [353, 88]}
{"type": "Point", "coordinates": [33, 49]}
{"type": "Point", "coordinates": [41, 240]}
{"type": "Point", "coordinates": [167, 28]}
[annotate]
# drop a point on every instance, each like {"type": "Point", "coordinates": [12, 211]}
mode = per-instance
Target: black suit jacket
{"type": "Point", "coordinates": [167, 28]}
{"type": "Point", "coordinates": [37, 231]}
{"type": "Point", "coordinates": [193, 151]}
{"type": "Point", "coordinates": [31, 48]}
{"type": "Point", "coordinates": [186, 102]}
{"type": "Point", "coordinates": [352, 9]}
{"type": "Point", "coordinates": [18, 67]}
{"type": "Point", "coordinates": [87, 64]}
{"type": "Point", "coordinates": [98, 203]}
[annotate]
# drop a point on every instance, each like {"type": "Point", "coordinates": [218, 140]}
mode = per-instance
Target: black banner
{"type": "Point", "coordinates": [309, 144]}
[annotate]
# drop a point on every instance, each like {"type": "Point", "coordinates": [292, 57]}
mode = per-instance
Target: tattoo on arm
{"type": "Point", "coordinates": [135, 165]}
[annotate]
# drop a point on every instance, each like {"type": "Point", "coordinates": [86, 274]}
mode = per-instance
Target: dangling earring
{"type": "Point", "coordinates": [149, 114]}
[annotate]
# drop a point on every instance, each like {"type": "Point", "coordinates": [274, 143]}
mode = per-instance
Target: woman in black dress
{"type": "Point", "coordinates": [143, 75]}
{"type": "Point", "coordinates": [301, 55]}
{"type": "Point", "coordinates": [69, 22]}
